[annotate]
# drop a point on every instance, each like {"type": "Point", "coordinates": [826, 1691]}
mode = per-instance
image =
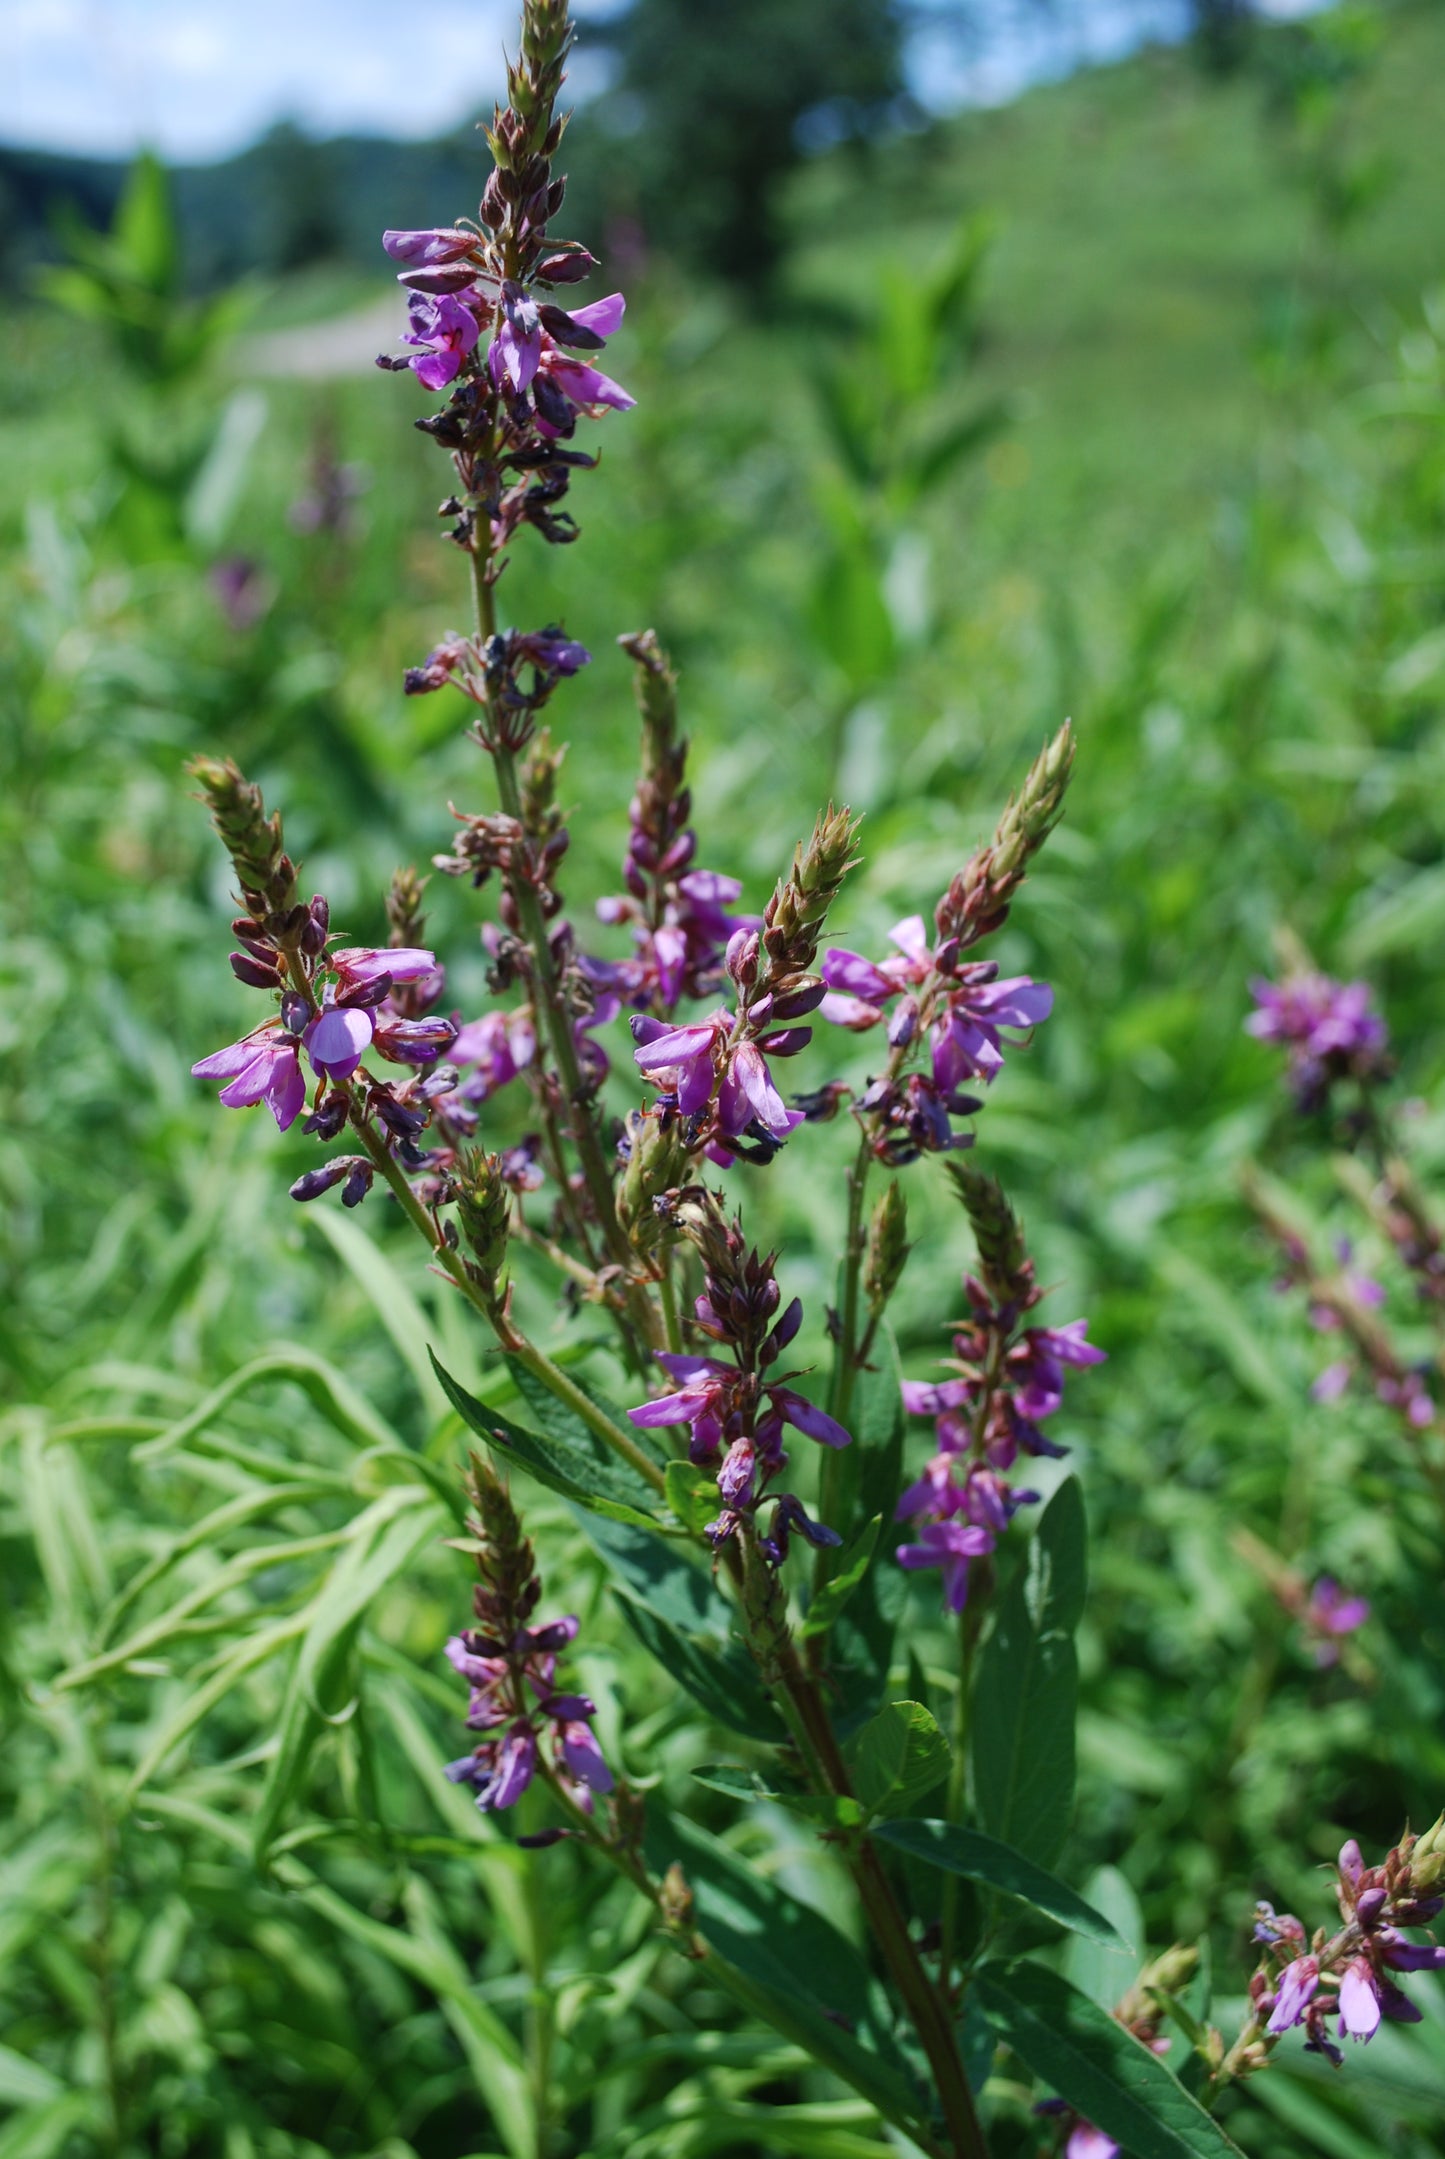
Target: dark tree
{"type": "Point", "coordinates": [718, 99]}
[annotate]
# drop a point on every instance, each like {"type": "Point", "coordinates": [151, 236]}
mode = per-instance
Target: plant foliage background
{"type": "Point", "coordinates": [1127, 401]}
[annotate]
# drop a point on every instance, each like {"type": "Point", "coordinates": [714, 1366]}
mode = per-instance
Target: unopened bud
{"type": "Point", "coordinates": [998, 1233]}
{"type": "Point", "coordinates": [1432, 1840]}
{"type": "Point", "coordinates": [484, 1210]}
{"type": "Point", "coordinates": [657, 1162]}
{"type": "Point", "coordinates": [888, 1247]}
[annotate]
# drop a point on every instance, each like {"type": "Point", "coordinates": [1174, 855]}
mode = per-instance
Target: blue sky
{"type": "Point", "coordinates": [201, 78]}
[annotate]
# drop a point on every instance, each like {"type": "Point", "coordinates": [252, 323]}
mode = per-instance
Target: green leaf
{"type": "Point", "coordinates": [1105, 1973]}
{"type": "Point", "coordinates": [1026, 1694]}
{"type": "Point", "coordinates": [691, 1494]}
{"type": "Point", "coordinates": [898, 1757]}
{"type": "Point", "coordinates": [723, 1777]}
{"type": "Point", "coordinates": [386, 1539]}
{"type": "Point", "coordinates": [720, 1681]}
{"type": "Point", "coordinates": [662, 1574]}
{"type": "Point", "coordinates": [983, 1859]}
{"type": "Point", "coordinates": [788, 1963]}
{"type": "Point", "coordinates": [860, 1642]}
{"type": "Point", "coordinates": [840, 1586]}
{"type": "Point", "coordinates": [388, 1292]}
{"type": "Point", "coordinates": [1090, 2060]}
{"type": "Point", "coordinates": [580, 1467]}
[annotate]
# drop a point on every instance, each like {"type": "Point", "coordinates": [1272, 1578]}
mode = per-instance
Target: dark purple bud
{"type": "Point", "coordinates": [328, 1119]}
{"type": "Point", "coordinates": [796, 1003]}
{"type": "Point", "coordinates": [1369, 1906]}
{"type": "Point", "coordinates": [741, 958]}
{"type": "Point", "coordinates": [251, 972]}
{"type": "Point", "coordinates": [904, 1023]}
{"type": "Point", "coordinates": [364, 996]}
{"type": "Point", "coordinates": [358, 1184]}
{"type": "Point", "coordinates": [317, 1181]}
{"type": "Point", "coordinates": [568, 268]}
{"type": "Point", "coordinates": [784, 1332]}
{"type": "Point", "coordinates": [541, 1839]}
{"type": "Point", "coordinates": [313, 937]}
{"type": "Point", "coordinates": [295, 1012]}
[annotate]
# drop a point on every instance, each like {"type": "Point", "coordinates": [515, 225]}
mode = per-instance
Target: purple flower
{"type": "Point", "coordinates": [551, 651]}
{"type": "Point", "coordinates": [1296, 1992]}
{"type": "Point", "coordinates": [525, 355]}
{"type": "Point", "coordinates": [1087, 2142]}
{"type": "Point", "coordinates": [426, 249]}
{"type": "Point", "coordinates": [1331, 1613]}
{"type": "Point", "coordinates": [952, 1546]}
{"type": "Point", "coordinates": [1326, 1026]}
{"type": "Point", "coordinates": [262, 1067]}
{"type": "Point", "coordinates": [500, 1045]}
{"type": "Point", "coordinates": [582, 1756]}
{"type": "Point", "coordinates": [338, 1039]}
{"type": "Point", "coordinates": [688, 1062]}
{"type": "Point", "coordinates": [515, 1765]}
{"type": "Point", "coordinates": [362, 967]}
{"type": "Point", "coordinates": [1360, 2007]}
{"type": "Point", "coordinates": [1036, 1365]}
{"type": "Point", "coordinates": [445, 332]}
{"type": "Point", "coordinates": [972, 1006]}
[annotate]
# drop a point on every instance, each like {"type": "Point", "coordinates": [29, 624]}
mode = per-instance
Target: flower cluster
{"type": "Point", "coordinates": [736, 1411]}
{"type": "Point", "coordinates": [481, 324]}
{"type": "Point", "coordinates": [963, 1009]}
{"type": "Point", "coordinates": [954, 1008]}
{"type": "Point", "coordinates": [1007, 1378]}
{"type": "Point", "coordinates": [511, 1668]}
{"type": "Point", "coordinates": [1328, 1029]}
{"type": "Point", "coordinates": [714, 1071]}
{"type": "Point", "coordinates": [1354, 1974]}
{"type": "Point", "coordinates": [677, 912]}
{"type": "Point", "coordinates": [337, 1004]}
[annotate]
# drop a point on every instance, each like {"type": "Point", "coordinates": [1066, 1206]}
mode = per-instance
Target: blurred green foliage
{"type": "Point", "coordinates": [1225, 553]}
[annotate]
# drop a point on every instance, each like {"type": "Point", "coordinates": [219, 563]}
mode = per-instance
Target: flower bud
{"type": "Point", "coordinates": [484, 1210]}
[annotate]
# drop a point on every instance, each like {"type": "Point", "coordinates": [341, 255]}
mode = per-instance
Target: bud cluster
{"type": "Point", "coordinates": [977, 902]}
{"type": "Point", "coordinates": [335, 1004]}
{"type": "Point", "coordinates": [511, 1667]}
{"type": "Point", "coordinates": [737, 1412]}
{"type": "Point", "coordinates": [678, 914]}
{"type": "Point", "coordinates": [1007, 1377]}
{"type": "Point", "coordinates": [959, 1008]}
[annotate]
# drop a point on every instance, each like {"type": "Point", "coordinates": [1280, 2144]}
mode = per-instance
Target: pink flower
{"type": "Point", "coordinates": [262, 1067]}
{"type": "Point", "coordinates": [445, 333]}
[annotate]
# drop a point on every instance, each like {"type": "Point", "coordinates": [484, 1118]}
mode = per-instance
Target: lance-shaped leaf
{"type": "Point", "coordinates": [792, 1966]}
{"type": "Point", "coordinates": [677, 1612]}
{"type": "Point", "coordinates": [721, 1681]}
{"type": "Point", "coordinates": [898, 1757]}
{"type": "Point", "coordinates": [570, 1460]}
{"type": "Point", "coordinates": [386, 1539]}
{"type": "Point", "coordinates": [835, 1592]}
{"type": "Point", "coordinates": [983, 1859]}
{"type": "Point", "coordinates": [1026, 1694]}
{"type": "Point", "coordinates": [1101, 2069]}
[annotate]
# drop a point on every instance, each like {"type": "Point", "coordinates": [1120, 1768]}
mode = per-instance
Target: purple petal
{"type": "Point", "coordinates": [856, 977]}
{"type": "Point", "coordinates": [603, 316]}
{"type": "Point", "coordinates": [1359, 2003]}
{"type": "Point", "coordinates": [806, 1417]}
{"type": "Point", "coordinates": [669, 1409]}
{"type": "Point", "coordinates": [338, 1040]}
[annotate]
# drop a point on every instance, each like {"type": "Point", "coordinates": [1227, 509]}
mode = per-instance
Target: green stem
{"type": "Point", "coordinates": [840, 1389]}
{"type": "Point", "coordinates": [582, 1125]}
{"type": "Point", "coordinates": [926, 2005]}
{"type": "Point", "coordinates": [533, 1360]}
{"type": "Point", "coordinates": [667, 1289]}
{"type": "Point", "coordinates": [957, 1789]}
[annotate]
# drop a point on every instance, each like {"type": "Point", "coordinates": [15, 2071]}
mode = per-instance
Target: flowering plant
{"type": "Point", "coordinates": [656, 1081]}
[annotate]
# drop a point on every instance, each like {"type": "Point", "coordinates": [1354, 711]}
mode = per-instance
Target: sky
{"type": "Point", "coordinates": [199, 79]}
